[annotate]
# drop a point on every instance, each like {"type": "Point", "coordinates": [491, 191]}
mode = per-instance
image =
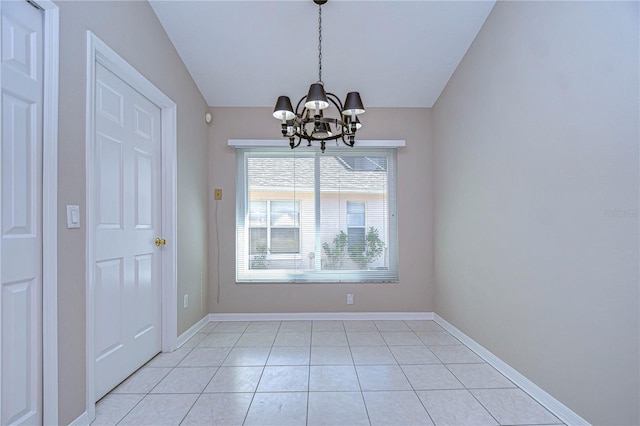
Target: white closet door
{"type": "Point", "coordinates": [127, 192]}
{"type": "Point", "coordinates": [21, 242]}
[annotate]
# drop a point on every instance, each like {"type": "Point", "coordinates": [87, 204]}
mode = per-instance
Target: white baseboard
{"type": "Point", "coordinates": [560, 410]}
{"type": "Point", "coordinates": [311, 316]}
{"type": "Point", "coordinates": [191, 331]}
{"type": "Point", "coordinates": [83, 420]}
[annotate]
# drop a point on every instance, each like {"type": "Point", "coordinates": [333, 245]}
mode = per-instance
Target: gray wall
{"type": "Point", "coordinates": [133, 31]}
{"type": "Point", "coordinates": [536, 145]}
{"type": "Point", "coordinates": [415, 220]}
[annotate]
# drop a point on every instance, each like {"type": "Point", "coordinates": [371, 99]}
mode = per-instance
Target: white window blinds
{"type": "Point", "coordinates": [306, 216]}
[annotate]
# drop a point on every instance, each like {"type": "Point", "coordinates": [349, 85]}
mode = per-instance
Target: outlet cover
{"type": "Point", "coordinates": [349, 299]}
{"type": "Point", "coordinates": [185, 301]}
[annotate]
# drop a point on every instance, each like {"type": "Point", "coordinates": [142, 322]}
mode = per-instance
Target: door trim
{"type": "Point", "coordinates": [99, 52]}
{"type": "Point", "coordinates": [51, 14]}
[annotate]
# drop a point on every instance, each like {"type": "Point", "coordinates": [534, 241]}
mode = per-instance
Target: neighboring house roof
{"type": "Point", "coordinates": [337, 173]}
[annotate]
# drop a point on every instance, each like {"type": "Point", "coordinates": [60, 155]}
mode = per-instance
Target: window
{"type": "Point", "coordinates": [274, 227]}
{"type": "Point", "coordinates": [355, 227]}
{"type": "Point", "coordinates": [304, 216]}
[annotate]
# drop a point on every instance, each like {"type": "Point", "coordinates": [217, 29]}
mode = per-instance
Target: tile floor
{"type": "Point", "coordinates": [343, 373]}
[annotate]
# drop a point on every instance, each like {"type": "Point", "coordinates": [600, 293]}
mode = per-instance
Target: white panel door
{"type": "Point", "coordinates": [127, 192]}
{"type": "Point", "coordinates": [21, 242]}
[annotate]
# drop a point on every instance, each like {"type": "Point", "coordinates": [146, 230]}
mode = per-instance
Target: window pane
{"type": "Point", "coordinates": [257, 240]}
{"type": "Point", "coordinates": [282, 188]}
{"type": "Point", "coordinates": [355, 208]}
{"type": "Point", "coordinates": [355, 219]}
{"type": "Point", "coordinates": [258, 213]}
{"type": "Point", "coordinates": [285, 213]}
{"type": "Point", "coordinates": [285, 240]}
{"type": "Point", "coordinates": [364, 163]}
{"type": "Point", "coordinates": [353, 194]}
{"type": "Point", "coordinates": [355, 214]}
{"type": "Point", "coordinates": [355, 240]}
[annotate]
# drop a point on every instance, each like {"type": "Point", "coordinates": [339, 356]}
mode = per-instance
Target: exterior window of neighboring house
{"type": "Point", "coordinates": [306, 216]}
{"type": "Point", "coordinates": [355, 226]}
{"type": "Point", "coordinates": [274, 227]}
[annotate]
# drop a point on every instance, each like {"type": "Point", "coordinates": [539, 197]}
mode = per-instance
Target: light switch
{"type": "Point", "coordinates": [73, 216]}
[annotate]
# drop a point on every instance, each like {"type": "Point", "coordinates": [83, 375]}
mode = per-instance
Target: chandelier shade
{"type": "Point", "coordinates": [283, 109]}
{"type": "Point", "coordinates": [353, 104]}
{"type": "Point", "coordinates": [308, 122]}
{"type": "Point", "coordinates": [322, 130]}
{"type": "Point", "coordinates": [317, 97]}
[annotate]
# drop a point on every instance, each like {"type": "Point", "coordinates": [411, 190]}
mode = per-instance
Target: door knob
{"type": "Point", "coordinates": [160, 242]}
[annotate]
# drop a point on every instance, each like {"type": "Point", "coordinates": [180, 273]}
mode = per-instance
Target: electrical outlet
{"type": "Point", "coordinates": [217, 194]}
{"type": "Point", "coordinates": [349, 299]}
{"type": "Point", "coordinates": [185, 301]}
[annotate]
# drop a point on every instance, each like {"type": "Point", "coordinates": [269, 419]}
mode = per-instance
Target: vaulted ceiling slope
{"type": "Point", "coordinates": [395, 53]}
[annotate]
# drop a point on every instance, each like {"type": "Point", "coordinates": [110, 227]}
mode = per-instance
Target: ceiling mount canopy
{"type": "Point", "coordinates": [309, 122]}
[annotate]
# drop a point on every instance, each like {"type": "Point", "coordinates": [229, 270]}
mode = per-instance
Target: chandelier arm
{"type": "Point", "coordinates": [335, 101]}
{"type": "Point", "coordinates": [298, 106]}
{"type": "Point", "coordinates": [292, 143]}
{"type": "Point", "coordinates": [330, 120]}
{"type": "Point", "coordinates": [310, 138]}
{"type": "Point", "coordinates": [349, 144]}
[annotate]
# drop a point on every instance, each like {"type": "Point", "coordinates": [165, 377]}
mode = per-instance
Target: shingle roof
{"type": "Point", "coordinates": [336, 173]}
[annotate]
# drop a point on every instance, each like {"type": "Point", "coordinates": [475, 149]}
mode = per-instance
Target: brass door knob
{"type": "Point", "coordinates": [160, 242]}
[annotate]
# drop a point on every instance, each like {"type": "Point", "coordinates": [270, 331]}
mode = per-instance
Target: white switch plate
{"type": "Point", "coordinates": [349, 299]}
{"type": "Point", "coordinates": [185, 301]}
{"type": "Point", "coordinates": [73, 216]}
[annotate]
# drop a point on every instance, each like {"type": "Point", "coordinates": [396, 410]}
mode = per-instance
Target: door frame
{"type": "Point", "coordinates": [99, 52]}
{"type": "Point", "coordinates": [51, 14]}
{"type": "Point", "coordinates": [50, 43]}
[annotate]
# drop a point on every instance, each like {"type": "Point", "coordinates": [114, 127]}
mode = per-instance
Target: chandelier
{"type": "Point", "coordinates": [309, 123]}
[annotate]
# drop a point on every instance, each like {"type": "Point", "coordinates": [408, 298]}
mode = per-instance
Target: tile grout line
{"type": "Point", "coordinates": [309, 375]}
{"type": "Point", "coordinates": [470, 393]}
{"type": "Point", "coordinates": [409, 381]}
{"type": "Point", "coordinates": [255, 391]}
{"type": "Point", "coordinates": [364, 402]}
{"type": "Point", "coordinates": [217, 368]}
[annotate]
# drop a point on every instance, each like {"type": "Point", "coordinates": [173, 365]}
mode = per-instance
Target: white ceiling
{"type": "Point", "coordinates": [395, 53]}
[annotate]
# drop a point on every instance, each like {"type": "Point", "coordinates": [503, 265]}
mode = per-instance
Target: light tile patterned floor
{"type": "Point", "coordinates": [342, 373]}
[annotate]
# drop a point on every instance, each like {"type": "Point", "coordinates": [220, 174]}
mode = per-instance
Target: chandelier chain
{"type": "Point", "coordinates": [320, 44]}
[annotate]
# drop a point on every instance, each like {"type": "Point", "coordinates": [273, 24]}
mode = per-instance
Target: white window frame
{"type": "Point", "coordinates": [246, 275]}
